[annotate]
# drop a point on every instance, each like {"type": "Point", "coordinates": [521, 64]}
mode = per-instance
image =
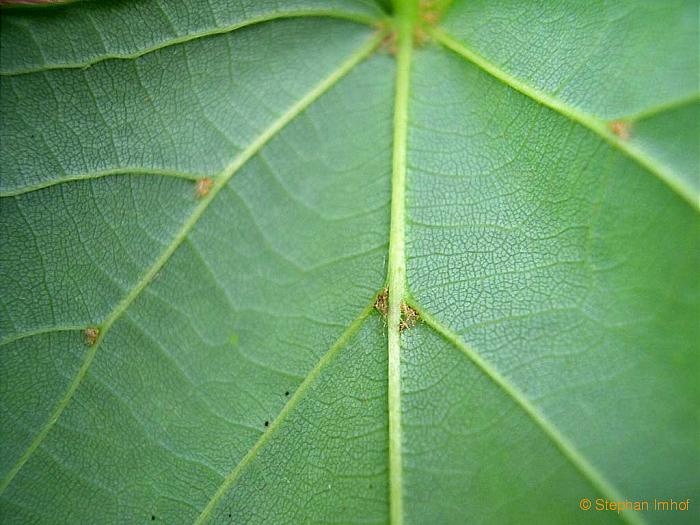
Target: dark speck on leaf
{"type": "Point", "coordinates": [286, 393]}
{"type": "Point", "coordinates": [267, 423]}
{"type": "Point", "coordinates": [153, 518]}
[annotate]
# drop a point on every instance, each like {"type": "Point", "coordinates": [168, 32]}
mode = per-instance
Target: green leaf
{"type": "Point", "coordinates": [327, 262]}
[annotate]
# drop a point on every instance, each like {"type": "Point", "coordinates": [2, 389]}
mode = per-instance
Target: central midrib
{"type": "Point", "coordinates": [406, 17]}
{"type": "Point", "coordinates": [405, 21]}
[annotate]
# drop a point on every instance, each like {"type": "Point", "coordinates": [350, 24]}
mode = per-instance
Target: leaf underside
{"type": "Point", "coordinates": [203, 202]}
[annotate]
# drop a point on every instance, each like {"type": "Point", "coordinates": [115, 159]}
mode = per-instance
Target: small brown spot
{"type": "Point", "coordinates": [430, 17]}
{"type": "Point", "coordinates": [91, 335]}
{"type": "Point", "coordinates": [389, 37]}
{"type": "Point", "coordinates": [420, 36]}
{"type": "Point", "coordinates": [620, 128]}
{"type": "Point", "coordinates": [389, 43]}
{"type": "Point", "coordinates": [429, 12]}
{"type": "Point", "coordinates": [409, 317]}
{"type": "Point", "coordinates": [381, 304]}
{"type": "Point", "coordinates": [203, 186]}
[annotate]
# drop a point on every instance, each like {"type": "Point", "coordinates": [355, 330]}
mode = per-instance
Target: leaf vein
{"type": "Point", "coordinates": [594, 124]}
{"type": "Point", "coordinates": [230, 170]}
{"type": "Point", "coordinates": [295, 399]}
{"type": "Point", "coordinates": [566, 448]}
{"type": "Point", "coordinates": [321, 13]}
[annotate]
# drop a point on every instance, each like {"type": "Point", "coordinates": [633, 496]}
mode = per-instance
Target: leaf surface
{"type": "Point", "coordinates": [224, 191]}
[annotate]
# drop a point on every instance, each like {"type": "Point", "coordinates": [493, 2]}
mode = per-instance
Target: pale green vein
{"type": "Point", "coordinates": [397, 260]}
{"type": "Point", "coordinates": [320, 13]}
{"type": "Point", "coordinates": [38, 332]}
{"type": "Point", "coordinates": [598, 126]}
{"type": "Point", "coordinates": [662, 108]}
{"type": "Point", "coordinates": [296, 398]}
{"type": "Point", "coordinates": [567, 449]}
{"type": "Point", "coordinates": [219, 183]}
{"type": "Point", "coordinates": [99, 175]}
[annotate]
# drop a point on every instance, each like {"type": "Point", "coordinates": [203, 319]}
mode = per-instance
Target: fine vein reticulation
{"type": "Point", "coordinates": [220, 182]}
{"type": "Point", "coordinates": [398, 294]}
{"type": "Point", "coordinates": [405, 23]}
{"type": "Point", "coordinates": [596, 480]}
{"type": "Point", "coordinates": [320, 13]}
{"type": "Point", "coordinates": [230, 480]}
{"type": "Point", "coordinates": [596, 125]}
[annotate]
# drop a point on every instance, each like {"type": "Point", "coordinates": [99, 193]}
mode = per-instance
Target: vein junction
{"type": "Point", "coordinates": [395, 307]}
{"type": "Point", "coordinates": [406, 17]}
{"type": "Point", "coordinates": [218, 183]}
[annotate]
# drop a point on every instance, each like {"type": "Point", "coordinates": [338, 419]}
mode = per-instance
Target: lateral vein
{"type": "Point", "coordinates": [565, 447]}
{"type": "Point", "coordinates": [327, 358]}
{"type": "Point", "coordinates": [40, 331]}
{"type": "Point", "coordinates": [220, 181]}
{"type": "Point", "coordinates": [596, 125]}
{"type": "Point", "coordinates": [320, 13]}
{"type": "Point", "coordinates": [98, 175]}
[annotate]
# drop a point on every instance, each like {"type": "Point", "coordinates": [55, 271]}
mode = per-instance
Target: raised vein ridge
{"type": "Point", "coordinates": [316, 13]}
{"type": "Point", "coordinates": [322, 364]}
{"type": "Point", "coordinates": [567, 449]}
{"type": "Point", "coordinates": [406, 17]}
{"type": "Point", "coordinates": [13, 192]}
{"type": "Point", "coordinates": [598, 126]}
{"type": "Point", "coordinates": [220, 181]}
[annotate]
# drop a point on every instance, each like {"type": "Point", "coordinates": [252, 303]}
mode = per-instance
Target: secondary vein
{"type": "Point", "coordinates": [221, 180]}
{"type": "Point", "coordinates": [397, 261]}
{"type": "Point", "coordinates": [319, 13]}
{"type": "Point", "coordinates": [327, 358]}
{"type": "Point", "coordinates": [14, 192]}
{"type": "Point", "coordinates": [567, 449]}
{"type": "Point", "coordinates": [40, 331]}
{"type": "Point", "coordinates": [598, 126]}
